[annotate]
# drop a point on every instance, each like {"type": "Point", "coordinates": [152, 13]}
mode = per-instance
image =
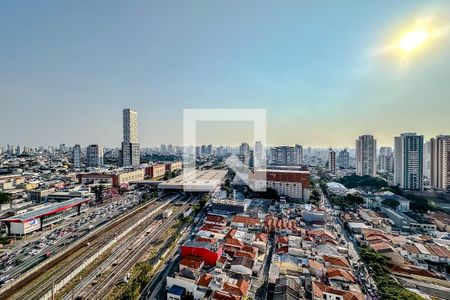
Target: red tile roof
{"type": "Point", "coordinates": [318, 288]}
{"type": "Point", "coordinates": [245, 220]}
{"type": "Point", "coordinates": [333, 273]}
{"type": "Point", "coordinates": [192, 262]}
{"type": "Point", "coordinates": [205, 280]}
{"type": "Point", "coordinates": [221, 295]}
{"type": "Point", "coordinates": [336, 261]}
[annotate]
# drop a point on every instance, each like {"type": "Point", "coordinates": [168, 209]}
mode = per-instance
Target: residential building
{"type": "Point", "coordinates": [244, 153]}
{"type": "Point", "coordinates": [386, 160]}
{"type": "Point", "coordinates": [343, 160]}
{"type": "Point", "coordinates": [440, 162]}
{"type": "Point", "coordinates": [286, 155]}
{"type": "Point", "coordinates": [259, 159]}
{"type": "Point", "coordinates": [94, 154]}
{"type": "Point", "coordinates": [294, 184]}
{"type": "Point", "coordinates": [366, 154]}
{"type": "Point", "coordinates": [77, 157]}
{"type": "Point", "coordinates": [332, 161]}
{"type": "Point", "coordinates": [408, 161]}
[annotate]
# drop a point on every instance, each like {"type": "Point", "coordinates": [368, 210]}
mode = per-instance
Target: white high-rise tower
{"type": "Point", "coordinates": [408, 161]}
{"type": "Point", "coordinates": [130, 145]}
{"type": "Point", "coordinates": [366, 156]}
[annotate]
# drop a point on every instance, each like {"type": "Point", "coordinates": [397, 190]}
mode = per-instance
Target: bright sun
{"type": "Point", "coordinates": [413, 40]}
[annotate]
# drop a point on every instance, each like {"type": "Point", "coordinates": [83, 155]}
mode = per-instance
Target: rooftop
{"type": "Point", "coordinates": [47, 210]}
{"type": "Point", "coordinates": [196, 181]}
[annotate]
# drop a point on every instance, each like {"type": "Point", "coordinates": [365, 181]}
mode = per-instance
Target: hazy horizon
{"type": "Point", "coordinates": [325, 71]}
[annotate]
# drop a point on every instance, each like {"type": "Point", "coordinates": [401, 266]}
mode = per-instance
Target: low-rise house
{"type": "Point", "coordinates": [428, 251]}
{"type": "Point", "coordinates": [246, 223]}
{"type": "Point", "coordinates": [242, 265]}
{"type": "Point", "coordinates": [321, 291]}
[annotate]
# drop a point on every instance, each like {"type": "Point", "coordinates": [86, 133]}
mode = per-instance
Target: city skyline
{"type": "Point", "coordinates": [72, 79]}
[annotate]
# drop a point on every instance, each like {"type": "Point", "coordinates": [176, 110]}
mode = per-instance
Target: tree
{"type": "Point", "coordinates": [144, 197]}
{"type": "Point", "coordinates": [5, 198]}
{"type": "Point", "coordinates": [388, 287]}
{"type": "Point", "coordinates": [392, 203]}
{"type": "Point", "coordinates": [98, 191]}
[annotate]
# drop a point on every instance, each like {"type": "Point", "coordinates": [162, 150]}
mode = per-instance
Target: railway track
{"type": "Point", "coordinates": [43, 281]}
{"type": "Point", "coordinates": [129, 259]}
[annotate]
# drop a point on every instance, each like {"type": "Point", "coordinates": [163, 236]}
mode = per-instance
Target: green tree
{"type": "Point", "coordinates": [388, 287]}
{"type": "Point", "coordinates": [5, 198]}
{"type": "Point", "coordinates": [392, 203]}
{"type": "Point", "coordinates": [98, 192]}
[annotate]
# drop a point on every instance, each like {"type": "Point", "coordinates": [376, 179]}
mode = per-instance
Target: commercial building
{"type": "Point", "coordinates": [174, 166]}
{"type": "Point", "coordinates": [94, 154]}
{"type": "Point", "coordinates": [114, 178]}
{"type": "Point", "coordinates": [40, 218]}
{"type": "Point", "coordinates": [440, 162]}
{"type": "Point", "coordinates": [196, 181]}
{"type": "Point", "coordinates": [408, 161]}
{"type": "Point", "coordinates": [210, 252]}
{"type": "Point", "coordinates": [130, 145]}
{"type": "Point", "coordinates": [366, 155]}
{"type": "Point", "coordinates": [40, 195]}
{"type": "Point", "coordinates": [77, 156]}
{"type": "Point", "coordinates": [294, 184]}
{"type": "Point", "coordinates": [332, 161]}
{"type": "Point", "coordinates": [155, 171]}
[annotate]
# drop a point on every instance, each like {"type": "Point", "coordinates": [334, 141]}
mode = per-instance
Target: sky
{"type": "Point", "coordinates": [325, 71]}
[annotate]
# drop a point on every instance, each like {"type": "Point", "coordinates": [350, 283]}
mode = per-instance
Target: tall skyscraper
{"type": "Point", "coordinates": [332, 161]}
{"type": "Point", "coordinates": [244, 153]}
{"type": "Point", "coordinates": [427, 159]}
{"type": "Point", "coordinates": [440, 162]}
{"type": "Point", "coordinates": [259, 159]}
{"type": "Point", "coordinates": [130, 146]}
{"type": "Point", "coordinates": [386, 160]}
{"type": "Point", "coordinates": [408, 161]}
{"type": "Point", "coordinates": [298, 154]}
{"type": "Point", "coordinates": [76, 156]}
{"type": "Point", "coordinates": [343, 160]}
{"type": "Point", "coordinates": [366, 155]}
{"type": "Point", "coordinates": [94, 154]}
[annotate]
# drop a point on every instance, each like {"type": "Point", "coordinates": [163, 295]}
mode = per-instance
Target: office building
{"type": "Point", "coordinates": [408, 161]}
{"type": "Point", "coordinates": [332, 161]}
{"type": "Point", "coordinates": [366, 154]}
{"type": "Point", "coordinates": [440, 162]}
{"type": "Point", "coordinates": [94, 156]}
{"type": "Point", "coordinates": [130, 145]}
{"type": "Point", "coordinates": [343, 160]}
{"type": "Point", "coordinates": [76, 157]}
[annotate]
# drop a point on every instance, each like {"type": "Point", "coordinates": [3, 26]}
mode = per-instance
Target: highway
{"type": "Point", "coordinates": [40, 283]}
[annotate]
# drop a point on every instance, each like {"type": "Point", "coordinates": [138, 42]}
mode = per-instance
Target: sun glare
{"type": "Point", "coordinates": [413, 40]}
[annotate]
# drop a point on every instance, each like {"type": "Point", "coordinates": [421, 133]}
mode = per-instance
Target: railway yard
{"type": "Point", "coordinates": [88, 257]}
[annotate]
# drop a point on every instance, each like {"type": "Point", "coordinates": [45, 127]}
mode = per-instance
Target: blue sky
{"type": "Point", "coordinates": [68, 68]}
